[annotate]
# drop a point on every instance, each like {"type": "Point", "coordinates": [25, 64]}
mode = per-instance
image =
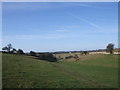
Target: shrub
{"type": "Point", "coordinates": [47, 57]}
{"type": "Point", "coordinates": [20, 51]}
{"type": "Point", "coordinates": [32, 53]}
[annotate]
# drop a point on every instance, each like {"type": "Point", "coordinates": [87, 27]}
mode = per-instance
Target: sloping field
{"type": "Point", "coordinates": [20, 71]}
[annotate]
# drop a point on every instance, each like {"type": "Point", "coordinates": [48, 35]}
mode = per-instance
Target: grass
{"type": "Point", "coordinates": [96, 71]}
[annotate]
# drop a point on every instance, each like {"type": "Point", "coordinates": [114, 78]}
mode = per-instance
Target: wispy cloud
{"type": "Point", "coordinates": [91, 5]}
{"type": "Point", "coordinates": [60, 0]}
{"type": "Point", "coordinates": [47, 5]}
{"type": "Point", "coordinates": [26, 6]}
{"type": "Point", "coordinates": [86, 5]}
{"type": "Point", "coordinates": [90, 23]}
{"type": "Point", "coordinates": [34, 5]}
{"type": "Point", "coordinates": [86, 21]}
{"type": "Point", "coordinates": [62, 30]}
{"type": "Point", "coordinates": [36, 37]}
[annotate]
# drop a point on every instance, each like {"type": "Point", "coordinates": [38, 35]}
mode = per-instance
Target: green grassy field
{"type": "Point", "coordinates": [92, 71]}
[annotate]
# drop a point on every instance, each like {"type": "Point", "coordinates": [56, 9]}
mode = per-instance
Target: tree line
{"type": "Point", "coordinates": [10, 49]}
{"type": "Point", "coordinates": [42, 56]}
{"type": "Point", "coordinates": [46, 56]}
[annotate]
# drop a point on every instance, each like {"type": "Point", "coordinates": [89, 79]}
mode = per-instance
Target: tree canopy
{"type": "Point", "coordinates": [110, 48]}
{"type": "Point", "coordinates": [20, 51]}
{"type": "Point", "coordinates": [8, 48]}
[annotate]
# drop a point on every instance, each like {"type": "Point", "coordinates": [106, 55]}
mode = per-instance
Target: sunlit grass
{"type": "Point", "coordinates": [25, 71]}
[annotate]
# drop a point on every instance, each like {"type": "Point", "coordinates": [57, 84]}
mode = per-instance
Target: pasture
{"type": "Point", "coordinates": [91, 71]}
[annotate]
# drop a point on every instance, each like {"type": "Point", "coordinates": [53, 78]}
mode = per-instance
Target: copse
{"type": "Point", "coordinates": [110, 48]}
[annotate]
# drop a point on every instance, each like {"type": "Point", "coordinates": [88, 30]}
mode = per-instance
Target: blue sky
{"type": "Point", "coordinates": [55, 26]}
